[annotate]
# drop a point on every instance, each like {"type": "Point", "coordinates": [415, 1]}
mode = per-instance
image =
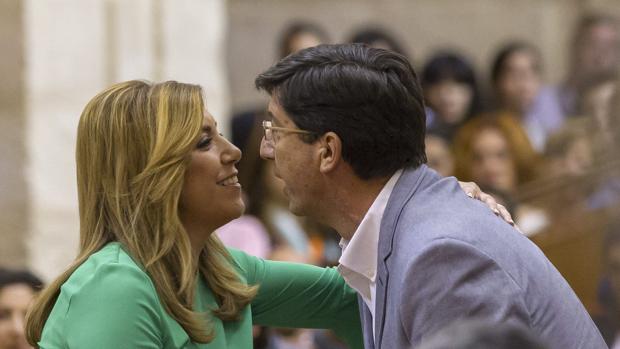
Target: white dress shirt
{"type": "Point", "coordinates": [358, 263]}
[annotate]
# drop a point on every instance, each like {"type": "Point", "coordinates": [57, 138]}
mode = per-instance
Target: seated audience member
{"type": "Point", "coordinates": [606, 144]}
{"type": "Point", "coordinates": [494, 152]}
{"type": "Point", "coordinates": [379, 38]}
{"type": "Point", "coordinates": [481, 334]}
{"type": "Point", "coordinates": [263, 189]}
{"type": "Point", "coordinates": [439, 154]}
{"type": "Point", "coordinates": [595, 51]}
{"type": "Point", "coordinates": [595, 102]}
{"type": "Point", "coordinates": [295, 36]}
{"type": "Point", "coordinates": [518, 87]}
{"type": "Point", "coordinates": [450, 92]}
{"type": "Point", "coordinates": [568, 151]}
{"type": "Point", "coordinates": [17, 289]}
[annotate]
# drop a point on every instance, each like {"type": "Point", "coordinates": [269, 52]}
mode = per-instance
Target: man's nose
{"type": "Point", "coordinates": [266, 149]}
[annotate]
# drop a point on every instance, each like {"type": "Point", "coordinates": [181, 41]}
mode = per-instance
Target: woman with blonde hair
{"type": "Point", "coordinates": [155, 179]}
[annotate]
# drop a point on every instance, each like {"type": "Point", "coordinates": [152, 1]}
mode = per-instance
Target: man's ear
{"type": "Point", "coordinates": [330, 152]}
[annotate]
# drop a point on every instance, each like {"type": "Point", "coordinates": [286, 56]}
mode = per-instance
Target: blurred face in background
{"type": "Point", "coordinates": [578, 158]}
{"type": "Point", "coordinates": [598, 50]}
{"type": "Point", "coordinates": [450, 100]}
{"type": "Point", "coordinates": [303, 40]}
{"type": "Point", "coordinates": [597, 105]}
{"type": "Point", "coordinates": [492, 162]}
{"type": "Point", "coordinates": [519, 82]}
{"type": "Point", "coordinates": [439, 155]}
{"type": "Point", "coordinates": [14, 301]}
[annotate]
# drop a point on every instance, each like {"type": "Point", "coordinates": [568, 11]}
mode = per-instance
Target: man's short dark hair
{"type": "Point", "coordinates": [369, 97]}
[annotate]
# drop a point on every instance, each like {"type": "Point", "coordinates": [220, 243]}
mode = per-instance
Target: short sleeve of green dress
{"type": "Point", "coordinates": [110, 302]}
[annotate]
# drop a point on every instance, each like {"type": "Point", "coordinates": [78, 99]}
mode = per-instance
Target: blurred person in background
{"type": "Point", "coordinates": [494, 151]}
{"type": "Point", "coordinates": [595, 102]}
{"type": "Point", "coordinates": [17, 290]}
{"type": "Point", "coordinates": [483, 334]}
{"type": "Point", "coordinates": [569, 151]}
{"type": "Point", "coordinates": [595, 50]}
{"type": "Point", "coordinates": [262, 188]}
{"type": "Point", "coordinates": [517, 81]}
{"type": "Point", "coordinates": [439, 153]}
{"type": "Point", "coordinates": [300, 34]}
{"type": "Point", "coordinates": [450, 92]}
{"type": "Point", "coordinates": [378, 37]}
{"type": "Point", "coordinates": [296, 35]}
{"type": "Point", "coordinates": [248, 234]}
{"type": "Point", "coordinates": [606, 141]}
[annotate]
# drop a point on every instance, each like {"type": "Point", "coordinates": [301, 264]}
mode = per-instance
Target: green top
{"type": "Point", "coordinates": [110, 302]}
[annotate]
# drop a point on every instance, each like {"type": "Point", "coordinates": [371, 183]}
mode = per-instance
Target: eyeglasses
{"type": "Point", "coordinates": [269, 128]}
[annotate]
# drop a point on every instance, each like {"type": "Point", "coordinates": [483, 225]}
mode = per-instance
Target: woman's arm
{"type": "Point", "coordinates": [302, 296]}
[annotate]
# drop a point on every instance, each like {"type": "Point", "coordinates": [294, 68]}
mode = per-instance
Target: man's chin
{"type": "Point", "coordinates": [295, 209]}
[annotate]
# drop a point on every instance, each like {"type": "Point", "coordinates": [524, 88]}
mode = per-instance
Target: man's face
{"type": "Point", "coordinates": [295, 162]}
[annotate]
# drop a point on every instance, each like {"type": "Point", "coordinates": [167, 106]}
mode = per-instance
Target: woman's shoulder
{"type": "Point", "coordinates": [108, 294]}
{"type": "Point", "coordinates": [108, 274]}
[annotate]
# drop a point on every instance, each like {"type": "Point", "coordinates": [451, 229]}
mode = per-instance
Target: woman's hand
{"type": "Point", "coordinates": [473, 191]}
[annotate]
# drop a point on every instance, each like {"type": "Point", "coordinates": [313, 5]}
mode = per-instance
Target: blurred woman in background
{"type": "Point", "coordinates": [450, 92]}
{"type": "Point", "coordinates": [494, 151]}
{"type": "Point", "coordinates": [517, 81]}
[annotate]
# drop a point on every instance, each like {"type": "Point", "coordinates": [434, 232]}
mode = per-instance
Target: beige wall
{"type": "Point", "coordinates": [476, 29]}
{"type": "Point", "coordinates": [13, 157]}
{"type": "Point", "coordinates": [57, 54]}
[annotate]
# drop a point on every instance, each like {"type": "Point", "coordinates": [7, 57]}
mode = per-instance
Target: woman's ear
{"type": "Point", "coordinates": [330, 152]}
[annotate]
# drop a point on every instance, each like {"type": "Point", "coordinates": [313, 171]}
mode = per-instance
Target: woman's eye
{"type": "Point", "coordinates": [204, 143]}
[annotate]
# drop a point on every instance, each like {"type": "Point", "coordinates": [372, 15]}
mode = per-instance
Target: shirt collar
{"type": "Point", "coordinates": [360, 253]}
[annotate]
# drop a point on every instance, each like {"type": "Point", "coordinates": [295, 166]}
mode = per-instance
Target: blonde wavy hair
{"type": "Point", "coordinates": [133, 146]}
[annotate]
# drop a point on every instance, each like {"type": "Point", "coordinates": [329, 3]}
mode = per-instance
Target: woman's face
{"type": "Point", "coordinates": [211, 194]}
{"type": "Point", "coordinates": [439, 155]}
{"type": "Point", "coordinates": [14, 301]}
{"type": "Point", "coordinates": [450, 100]}
{"type": "Point", "coordinates": [519, 82]}
{"type": "Point", "coordinates": [493, 165]}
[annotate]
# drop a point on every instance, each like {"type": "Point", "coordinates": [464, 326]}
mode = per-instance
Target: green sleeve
{"type": "Point", "coordinates": [117, 308]}
{"type": "Point", "coordinates": [302, 296]}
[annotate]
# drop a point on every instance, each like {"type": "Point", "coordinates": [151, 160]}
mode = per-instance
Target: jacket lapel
{"type": "Point", "coordinates": [402, 193]}
{"type": "Point", "coordinates": [366, 318]}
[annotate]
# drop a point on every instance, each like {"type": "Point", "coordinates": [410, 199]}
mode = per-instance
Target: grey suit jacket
{"type": "Point", "coordinates": [443, 257]}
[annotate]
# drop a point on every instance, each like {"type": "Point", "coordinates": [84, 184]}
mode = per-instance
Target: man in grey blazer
{"type": "Point", "coordinates": [346, 135]}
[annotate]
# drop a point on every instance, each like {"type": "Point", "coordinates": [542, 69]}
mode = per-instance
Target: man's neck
{"type": "Point", "coordinates": [350, 204]}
